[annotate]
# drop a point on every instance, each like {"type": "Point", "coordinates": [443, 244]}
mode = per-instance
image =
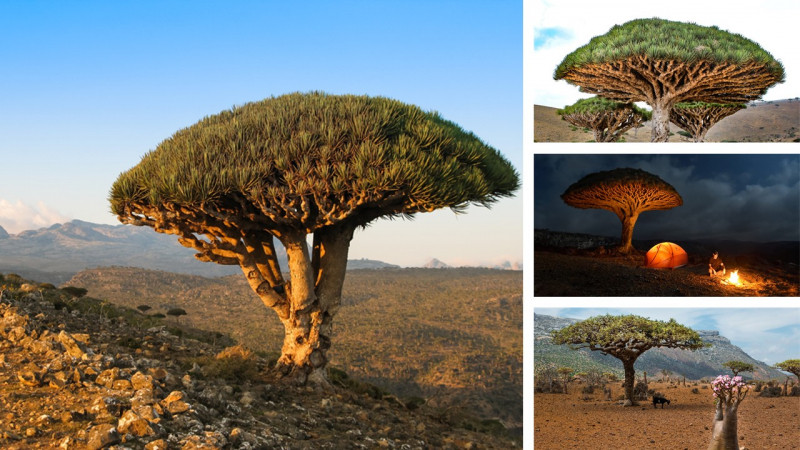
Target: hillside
{"type": "Point", "coordinates": [80, 373]}
{"type": "Point", "coordinates": [450, 334]}
{"type": "Point", "coordinates": [57, 253]}
{"type": "Point", "coordinates": [694, 365]}
{"type": "Point", "coordinates": [773, 121]}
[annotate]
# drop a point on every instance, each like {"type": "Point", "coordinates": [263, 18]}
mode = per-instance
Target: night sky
{"type": "Point", "coordinates": [739, 197]}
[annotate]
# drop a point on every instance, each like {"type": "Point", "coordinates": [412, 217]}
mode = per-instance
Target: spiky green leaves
{"type": "Point", "coordinates": [319, 159]}
{"type": "Point", "coordinates": [790, 365]}
{"type": "Point", "coordinates": [597, 104]}
{"type": "Point", "coordinates": [668, 40]}
{"type": "Point", "coordinates": [616, 335]}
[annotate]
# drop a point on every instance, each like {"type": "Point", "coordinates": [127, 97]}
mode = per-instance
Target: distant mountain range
{"type": "Point", "coordinates": [706, 362]}
{"type": "Point", "coordinates": [57, 253]}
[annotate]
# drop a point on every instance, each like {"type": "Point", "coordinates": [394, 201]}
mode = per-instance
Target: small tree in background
{"type": "Point", "coordinates": [791, 366]}
{"type": "Point", "coordinates": [144, 308]}
{"type": "Point", "coordinates": [301, 164]}
{"type": "Point", "coordinates": [608, 119]}
{"type": "Point", "coordinates": [698, 117]}
{"type": "Point", "coordinates": [662, 62]}
{"type": "Point", "coordinates": [566, 376]}
{"type": "Point", "coordinates": [665, 373]}
{"type": "Point", "coordinates": [176, 313]}
{"type": "Point", "coordinates": [625, 192]}
{"type": "Point", "coordinates": [626, 338]}
{"type": "Point", "coordinates": [728, 393]}
{"type": "Point", "coordinates": [739, 366]}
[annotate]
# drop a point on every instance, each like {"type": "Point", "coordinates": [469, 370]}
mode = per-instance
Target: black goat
{"type": "Point", "coordinates": [659, 399]}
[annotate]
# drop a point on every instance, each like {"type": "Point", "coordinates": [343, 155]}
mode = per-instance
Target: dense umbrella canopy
{"type": "Point", "coordinates": [308, 160]}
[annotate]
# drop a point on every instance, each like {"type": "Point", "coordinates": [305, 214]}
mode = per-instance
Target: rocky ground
{"type": "Point", "coordinates": [588, 421]}
{"type": "Point", "coordinates": [596, 272]}
{"type": "Point", "coordinates": [72, 379]}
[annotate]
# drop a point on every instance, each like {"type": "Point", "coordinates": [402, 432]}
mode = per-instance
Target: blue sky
{"type": "Point", "coordinates": [88, 87]}
{"type": "Point", "coordinates": [770, 335]}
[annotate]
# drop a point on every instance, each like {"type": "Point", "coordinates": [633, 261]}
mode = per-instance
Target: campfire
{"type": "Point", "coordinates": [733, 279]}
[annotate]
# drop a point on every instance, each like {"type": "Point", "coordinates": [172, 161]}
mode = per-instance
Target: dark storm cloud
{"type": "Point", "coordinates": [741, 197]}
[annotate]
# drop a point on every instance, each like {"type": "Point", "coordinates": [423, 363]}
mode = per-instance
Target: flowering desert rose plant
{"type": "Point", "coordinates": [728, 393]}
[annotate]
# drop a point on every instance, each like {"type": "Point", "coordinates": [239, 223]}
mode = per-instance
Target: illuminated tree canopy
{"type": "Point", "coordinates": [608, 119]}
{"type": "Point", "coordinates": [698, 117]}
{"type": "Point", "coordinates": [626, 338]}
{"type": "Point", "coordinates": [625, 192]}
{"type": "Point", "coordinates": [663, 62]}
{"type": "Point", "coordinates": [301, 164]}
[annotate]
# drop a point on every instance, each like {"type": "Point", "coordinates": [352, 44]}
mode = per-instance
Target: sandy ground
{"type": "Point", "coordinates": [572, 422]}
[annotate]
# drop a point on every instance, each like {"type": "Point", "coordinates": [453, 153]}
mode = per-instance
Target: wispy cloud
{"type": "Point", "coordinates": [18, 216]}
{"type": "Point", "coordinates": [543, 37]}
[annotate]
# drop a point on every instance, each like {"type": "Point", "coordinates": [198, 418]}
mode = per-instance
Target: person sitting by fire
{"type": "Point", "coordinates": [715, 265]}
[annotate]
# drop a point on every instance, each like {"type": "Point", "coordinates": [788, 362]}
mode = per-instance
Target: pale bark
{"type": "Point", "coordinates": [628, 222]}
{"type": "Point", "coordinates": [724, 434]}
{"type": "Point", "coordinates": [660, 132]}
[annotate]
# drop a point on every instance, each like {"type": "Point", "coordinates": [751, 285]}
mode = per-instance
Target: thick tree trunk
{"type": "Point", "coordinates": [660, 122]}
{"type": "Point", "coordinates": [701, 134]}
{"type": "Point", "coordinates": [315, 293]}
{"type": "Point", "coordinates": [630, 379]}
{"type": "Point", "coordinates": [724, 431]}
{"type": "Point", "coordinates": [628, 222]}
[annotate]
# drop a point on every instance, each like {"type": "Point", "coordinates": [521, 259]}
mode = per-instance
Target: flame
{"type": "Point", "coordinates": [734, 278]}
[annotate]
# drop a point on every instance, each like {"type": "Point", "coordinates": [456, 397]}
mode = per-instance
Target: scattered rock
{"type": "Point", "coordinates": [101, 436]}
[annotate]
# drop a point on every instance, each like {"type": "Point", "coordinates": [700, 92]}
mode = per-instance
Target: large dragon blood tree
{"type": "Point", "coordinates": [608, 119]}
{"type": "Point", "coordinates": [625, 192]}
{"type": "Point", "coordinates": [301, 164]}
{"type": "Point", "coordinates": [698, 117]}
{"type": "Point", "coordinates": [627, 338]}
{"type": "Point", "coordinates": [663, 62]}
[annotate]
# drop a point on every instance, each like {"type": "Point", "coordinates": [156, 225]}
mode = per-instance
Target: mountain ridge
{"type": "Point", "coordinates": [702, 363]}
{"type": "Point", "coordinates": [56, 253]}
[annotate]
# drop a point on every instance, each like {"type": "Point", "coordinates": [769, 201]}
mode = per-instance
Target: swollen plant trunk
{"type": "Point", "coordinates": [724, 430]}
{"type": "Point", "coordinates": [315, 294]}
{"type": "Point", "coordinates": [628, 222]}
{"type": "Point", "coordinates": [305, 347]}
{"type": "Point", "coordinates": [660, 120]}
{"type": "Point", "coordinates": [630, 379]}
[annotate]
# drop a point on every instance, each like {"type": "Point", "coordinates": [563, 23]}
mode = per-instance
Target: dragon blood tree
{"type": "Point", "coordinates": [791, 366]}
{"type": "Point", "coordinates": [698, 117]}
{"type": "Point", "coordinates": [663, 63]}
{"type": "Point", "coordinates": [736, 367]}
{"type": "Point", "coordinates": [626, 338]}
{"type": "Point", "coordinates": [301, 164]}
{"type": "Point", "coordinates": [608, 119]}
{"type": "Point", "coordinates": [728, 393]}
{"type": "Point", "coordinates": [626, 193]}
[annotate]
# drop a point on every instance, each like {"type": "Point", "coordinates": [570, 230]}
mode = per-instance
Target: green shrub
{"type": "Point", "coordinates": [235, 363]}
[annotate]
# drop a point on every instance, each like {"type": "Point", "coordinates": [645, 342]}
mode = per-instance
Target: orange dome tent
{"type": "Point", "coordinates": [666, 255]}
